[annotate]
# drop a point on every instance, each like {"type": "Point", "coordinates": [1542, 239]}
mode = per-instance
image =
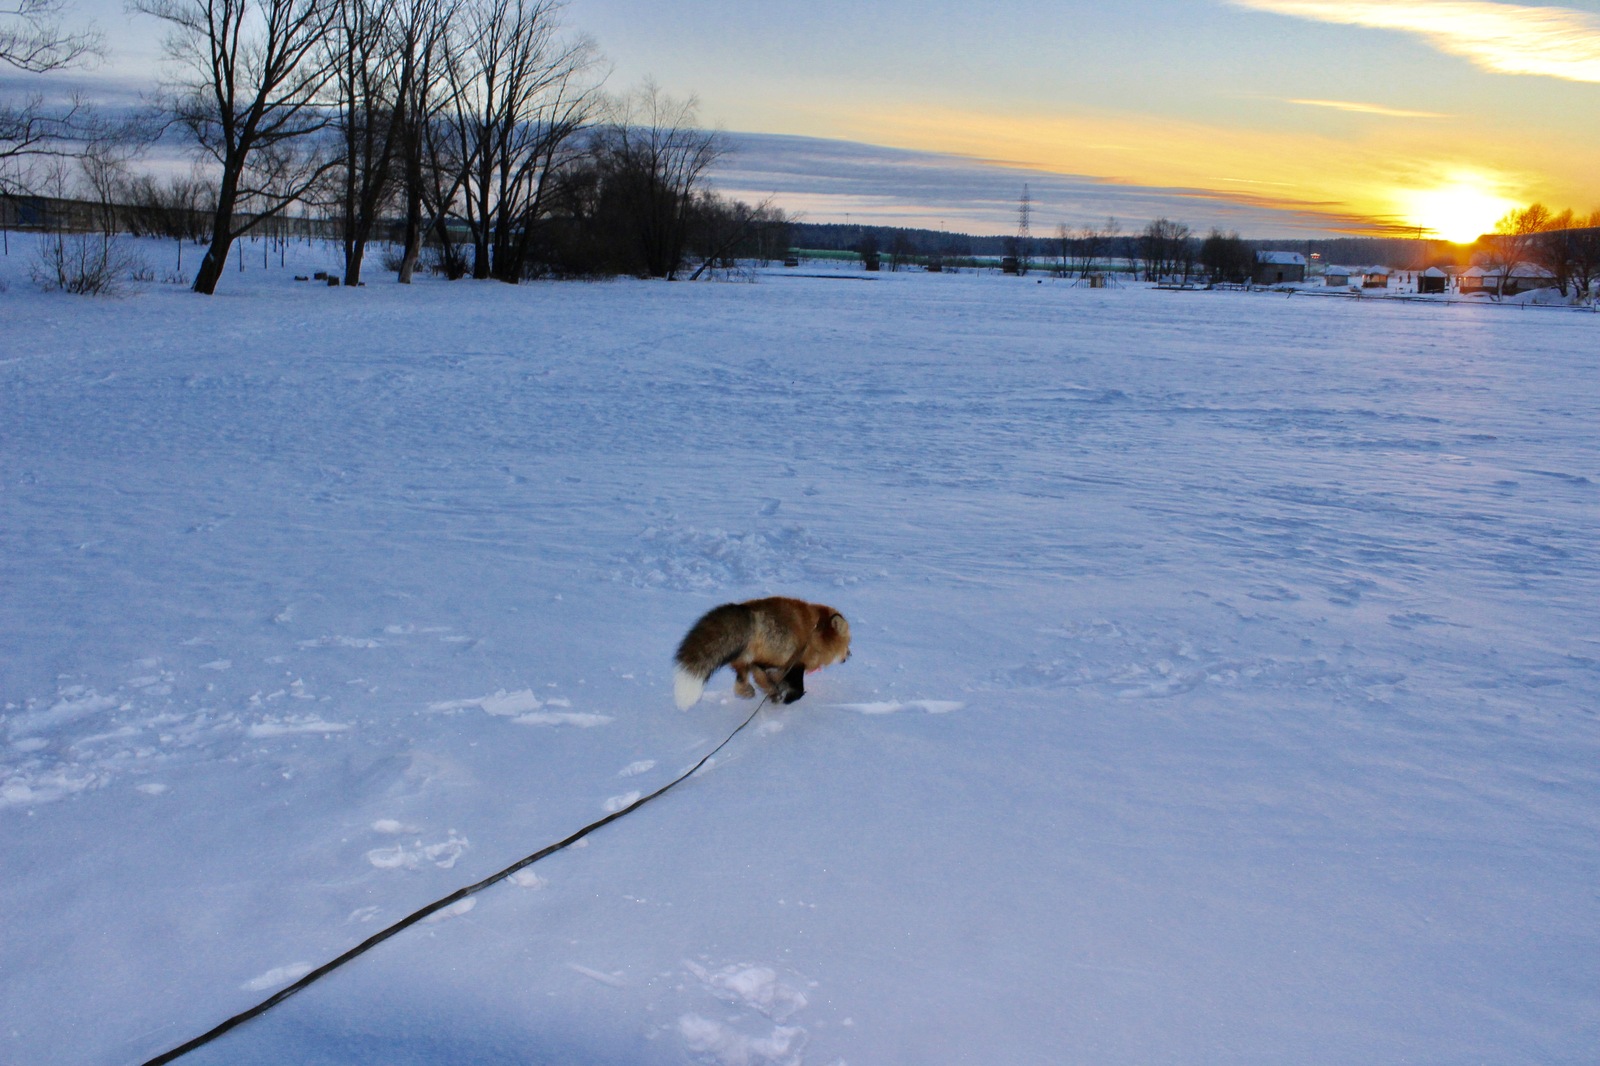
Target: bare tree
{"type": "Point", "coordinates": [1512, 242]}
{"type": "Point", "coordinates": [723, 231]}
{"type": "Point", "coordinates": [252, 74]}
{"type": "Point", "coordinates": [1552, 248]}
{"type": "Point", "coordinates": [655, 159]}
{"type": "Point", "coordinates": [420, 31]}
{"type": "Point", "coordinates": [32, 39]}
{"type": "Point", "coordinates": [1225, 257]}
{"type": "Point", "coordinates": [365, 79]}
{"type": "Point", "coordinates": [519, 93]}
{"type": "Point", "coordinates": [1585, 247]}
{"type": "Point", "coordinates": [1093, 244]}
{"type": "Point", "coordinates": [1166, 248]}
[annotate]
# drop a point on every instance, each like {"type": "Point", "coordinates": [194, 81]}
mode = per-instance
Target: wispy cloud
{"type": "Point", "coordinates": [1555, 42]}
{"type": "Point", "coordinates": [828, 180]}
{"type": "Point", "coordinates": [1369, 109]}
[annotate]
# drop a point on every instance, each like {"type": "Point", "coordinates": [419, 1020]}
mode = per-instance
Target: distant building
{"type": "Point", "coordinates": [1433, 282]}
{"type": "Point", "coordinates": [1375, 278]}
{"type": "Point", "coordinates": [1523, 278]}
{"type": "Point", "coordinates": [1278, 268]}
{"type": "Point", "coordinates": [1336, 277]}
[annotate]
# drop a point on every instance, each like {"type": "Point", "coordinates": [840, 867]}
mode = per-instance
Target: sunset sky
{"type": "Point", "coordinates": [1273, 117]}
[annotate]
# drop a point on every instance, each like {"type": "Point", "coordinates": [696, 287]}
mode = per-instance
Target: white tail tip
{"type": "Point", "coordinates": [686, 688]}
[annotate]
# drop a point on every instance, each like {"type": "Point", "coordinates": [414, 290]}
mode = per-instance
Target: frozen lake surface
{"type": "Point", "coordinates": [1225, 683]}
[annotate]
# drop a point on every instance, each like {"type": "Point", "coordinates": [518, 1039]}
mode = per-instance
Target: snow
{"type": "Point", "coordinates": [1224, 687]}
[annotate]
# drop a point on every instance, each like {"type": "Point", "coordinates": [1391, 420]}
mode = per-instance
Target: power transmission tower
{"type": "Point", "coordinates": [1024, 230]}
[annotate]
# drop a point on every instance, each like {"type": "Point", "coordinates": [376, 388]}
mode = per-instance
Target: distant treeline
{"type": "Point", "coordinates": [1402, 253]}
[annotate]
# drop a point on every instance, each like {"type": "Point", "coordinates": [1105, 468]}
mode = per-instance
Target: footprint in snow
{"type": "Point", "coordinates": [758, 1037]}
{"type": "Point", "coordinates": [455, 910]}
{"type": "Point", "coordinates": [414, 856]}
{"type": "Point", "coordinates": [617, 803]}
{"type": "Point", "coordinates": [756, 987]}
{"type": "Point", "coordinates": [714, 1042]}
{"type": "Point", "coordinates": [524, 708]}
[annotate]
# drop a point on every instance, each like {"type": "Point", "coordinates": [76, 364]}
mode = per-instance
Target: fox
{"type": "Point", "coordinates": [774, 642]}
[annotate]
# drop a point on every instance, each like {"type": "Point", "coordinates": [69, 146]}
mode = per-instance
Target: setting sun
{"type": "Point", "coordinates": [1460, 212]}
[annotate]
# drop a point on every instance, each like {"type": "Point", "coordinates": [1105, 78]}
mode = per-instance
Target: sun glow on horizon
{"type": "Point", "coordinates": [1460, 212]}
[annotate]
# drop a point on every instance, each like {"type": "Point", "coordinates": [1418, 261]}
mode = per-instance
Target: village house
{"type": "Point", "coordinates": [1523, 278]}
{"type": "Point", "coordinates": [1278, 268]}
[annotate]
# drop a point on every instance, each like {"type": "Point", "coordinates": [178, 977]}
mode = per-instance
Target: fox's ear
{"type": "Point", "coordinates": [835, 620]}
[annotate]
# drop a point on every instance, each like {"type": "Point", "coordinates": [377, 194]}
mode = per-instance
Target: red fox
{"type": "Point", "coordinates": [775, 642]}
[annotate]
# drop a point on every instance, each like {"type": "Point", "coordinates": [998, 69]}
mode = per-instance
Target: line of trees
{"type": "Point", "coordinates": [1564, 244]}
{"type": "Point", "coordinates": [474, 133]}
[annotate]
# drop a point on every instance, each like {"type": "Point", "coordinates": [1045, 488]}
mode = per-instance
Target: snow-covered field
{"type": "Point", "coordinates": [1225, 683]}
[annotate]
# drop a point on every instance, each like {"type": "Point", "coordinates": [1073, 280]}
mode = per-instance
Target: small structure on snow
{"type": "Point", "coordinates": [1522, 278]}
{"type": "Point", "coordinates": [1278, 268]}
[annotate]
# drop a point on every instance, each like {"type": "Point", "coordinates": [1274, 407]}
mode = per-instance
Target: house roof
{"type": "Point", "coordinates": [1280, 259]}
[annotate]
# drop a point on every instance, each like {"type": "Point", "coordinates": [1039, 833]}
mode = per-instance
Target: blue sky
{"type": "Point", "coordinates": [1268, 116]}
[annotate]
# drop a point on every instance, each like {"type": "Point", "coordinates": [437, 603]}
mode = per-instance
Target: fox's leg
{"type": "Point", "coordinates": [741, 684]}
{"type": "Point", "coordinates": [768, 680]}
{"type": "Point", "coordinates": [793, 685]}
{"type": "Point", "coordinates": [783, 687]}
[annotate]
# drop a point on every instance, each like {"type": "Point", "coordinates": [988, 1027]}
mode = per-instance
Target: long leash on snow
{"type": "Point", "coordinates": [439, 904]}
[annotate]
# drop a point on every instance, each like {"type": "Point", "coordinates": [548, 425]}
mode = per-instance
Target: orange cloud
{"type": "Point", "coordinates": [1366, 181]}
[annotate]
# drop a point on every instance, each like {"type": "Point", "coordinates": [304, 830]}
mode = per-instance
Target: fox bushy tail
{"type": "Point", "coordinates": [713, 642]}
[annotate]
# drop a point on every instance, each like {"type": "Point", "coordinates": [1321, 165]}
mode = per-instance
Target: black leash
{"type": "Point", "coordinates": [439, 904]}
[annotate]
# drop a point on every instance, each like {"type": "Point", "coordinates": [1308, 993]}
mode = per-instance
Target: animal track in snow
{"type": "Point", "coordinates": [524, 708]}
{"type": "Point", "coordinates": [755, 987]}
{"type": "Point", "coordinates": [617, 803]}
{"type": "Point", "coordinates": [715, 1042]}
{"type": "Point", "coordinates": [414, 856]}
{"type": "Point", "coordinates": [455, 910]}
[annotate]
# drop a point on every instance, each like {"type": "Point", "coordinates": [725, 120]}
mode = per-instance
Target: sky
{"type": "Point", "coordinates": [1271, 117]}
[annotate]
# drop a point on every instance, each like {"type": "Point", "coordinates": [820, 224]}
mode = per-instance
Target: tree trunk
{"type": "Point", "coordinates": [352, 266]}
{"type": "Point", "coordinates": [216, 257]}
{"type": "Point", "coordinates": [413, 238]}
